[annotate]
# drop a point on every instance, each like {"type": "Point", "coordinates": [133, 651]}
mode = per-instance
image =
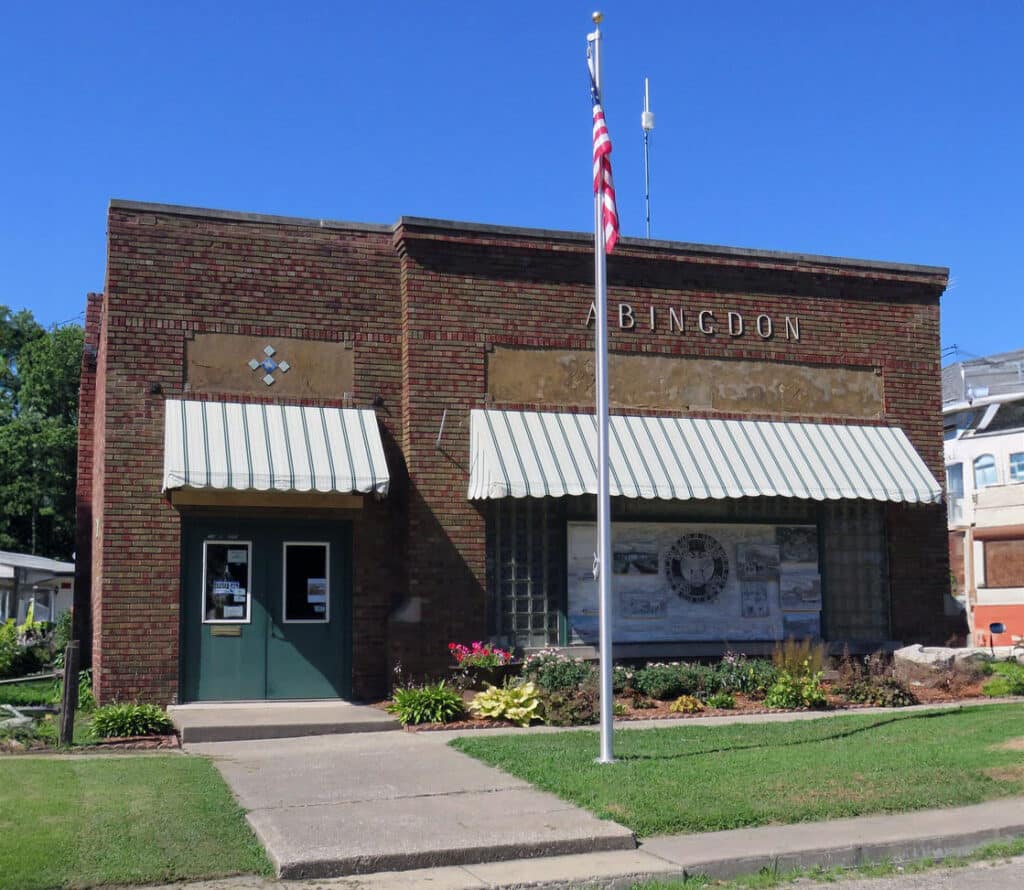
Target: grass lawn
{"type": "Point", "coordinates": [32, 692]}
{"type": "Point", "coordinates": [707, 778]}
{"type": "Point", "coordinates": [83, 822]}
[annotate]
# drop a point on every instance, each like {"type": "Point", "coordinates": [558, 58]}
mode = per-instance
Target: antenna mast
{"type": "Point", "coordinates": [647, 123]}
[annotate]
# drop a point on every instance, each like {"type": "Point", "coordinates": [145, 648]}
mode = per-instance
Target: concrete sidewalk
{"type": "Point", "coordinates": [725, 854]}
{"type": "Point", "coordinates": [391, 803]}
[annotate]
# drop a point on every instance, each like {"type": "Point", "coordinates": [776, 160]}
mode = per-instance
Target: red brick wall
{"type": "Point", "coordinates": [422, 305]}
{"type": "Point", "coordinates": [171, 276]}
{"type": "Point", "coordinates": [463, 290]}
{"type": "Point", "coordinates": [82, 626]}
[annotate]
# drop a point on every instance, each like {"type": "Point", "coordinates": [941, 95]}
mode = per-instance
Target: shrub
{"type": "Point", "coordinates": [433, 703]}
{"type": "Point", "coordinates": [575, 707]}
{"type": "Point", "coordinates": [723, 700]}
{"type": "Point", "coordinates": [62, 633]}
{"type": "Point", "coordinates": [517, 703]}
{"type": "Point", "coordinates": [554, 672]}
{"type": "Point", "coordinates": [686, 704]}
{"type": "Point", "coordinates": [115, 721]}
{"type": "Point", "coordinates": [758, 677]}
{"type": "Point", "coordinates": [622, 679]}
{"type": "Point", "coordinates": [796, 692]}
{"type": "Point", "coordinates": [667, 681]}
{"type": "Point", "coordinates": [23, 650]}
{"type": "Point", "coordinates": [1007, 679]}
{"type": "Point", "coordinates": [887, 692]}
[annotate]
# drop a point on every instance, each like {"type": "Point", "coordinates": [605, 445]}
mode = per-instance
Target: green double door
{"type": "Point", "coordinates": [266, 609]}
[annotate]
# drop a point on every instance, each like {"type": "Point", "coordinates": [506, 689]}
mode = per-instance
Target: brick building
{"type": "Point", "coordinates": [310, 450]}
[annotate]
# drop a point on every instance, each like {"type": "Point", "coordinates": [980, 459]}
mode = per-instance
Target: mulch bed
{"type": "Point", "coordinates": [112, 746]}
{"type": "Point", "coordinates": [745, 705]}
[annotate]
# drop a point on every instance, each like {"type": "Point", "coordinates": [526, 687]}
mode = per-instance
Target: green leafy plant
{"type": "Point", "coordinates": [622, 679]}
{"type": "Point", "coordinates": [519, 703]}
{"type": "Point", "coordinates": [117, 721]}
{"type": "Point", "coordinates": [791, 691]}
{"type": "Point", "coordinates": [670, 680]}
{"type": "Point", "coordinates": [725, 701]}
{"type": "Point", "coordinates": [887, 692]}
{"type": "Point", "coordinates": [432, 703]}
{"type": "Point", "coordinates": [554, 672]}
{"type": "Point", "coordinates": [575, 707]}
{"type": "Point", "coordinates": [686, 704]}
{"type": "Point", "coordinates": [1007, 679]}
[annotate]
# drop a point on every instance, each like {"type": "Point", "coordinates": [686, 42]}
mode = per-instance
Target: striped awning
{"type": "Point", "coordinates": [539, 454]}
{"type": "Point", "coordinates": [272, 447]}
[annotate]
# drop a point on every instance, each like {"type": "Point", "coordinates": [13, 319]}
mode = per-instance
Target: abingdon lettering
{"type": "Point", "coordinates": [704, 321]}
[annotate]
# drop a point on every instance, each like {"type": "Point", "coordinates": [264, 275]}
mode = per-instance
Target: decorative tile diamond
{"type": "Point", "coordinates": [268, 365]}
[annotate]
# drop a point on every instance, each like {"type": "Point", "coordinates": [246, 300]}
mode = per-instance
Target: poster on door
{"type": "Point", "coordinates": [677, 582]}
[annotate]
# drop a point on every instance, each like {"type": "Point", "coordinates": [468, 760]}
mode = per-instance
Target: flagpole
{"type": "Point", "coordinates": [604, 535]}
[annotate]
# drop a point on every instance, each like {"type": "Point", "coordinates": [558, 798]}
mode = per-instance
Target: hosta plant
{"type": "Point", "coordinates": [722, 700]}
{"type": "Point", "coordinates": [434, 703]}
{"type": "Point", "coordinates": [119, 721]}
{"type": "Point", "coordinates": [519, 704]}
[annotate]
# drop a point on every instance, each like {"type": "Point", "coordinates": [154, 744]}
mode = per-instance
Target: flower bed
{"type": "Point", "coordinates": [562, 691]}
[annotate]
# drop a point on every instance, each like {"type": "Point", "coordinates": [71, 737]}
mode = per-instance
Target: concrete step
{"type": "Point", "coordinates": [242, 721]}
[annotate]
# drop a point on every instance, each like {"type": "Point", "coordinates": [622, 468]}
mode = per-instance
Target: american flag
{"type": "Point", "coordinates": [603, 170]}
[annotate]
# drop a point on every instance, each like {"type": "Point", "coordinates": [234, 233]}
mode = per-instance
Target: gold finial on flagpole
{"type": "Point", "coordinates": [598, 17]}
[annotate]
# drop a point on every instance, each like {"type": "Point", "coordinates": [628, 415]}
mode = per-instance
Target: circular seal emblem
{"type": "Point", "coordinates": [697, 567]}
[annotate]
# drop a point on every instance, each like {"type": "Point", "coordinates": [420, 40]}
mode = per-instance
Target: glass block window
{"type": "Point", "coordinates": [525, 571]}
{"type": "Point", "coordinates": [955, 480]}
{"type": "Point", "coordinates": [1017, 467]}
{"type": "Point", "coordinates": [984, 471]}
{"type": "Point", "coordinates": [855, 570]}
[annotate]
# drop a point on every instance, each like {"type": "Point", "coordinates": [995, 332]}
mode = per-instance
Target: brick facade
{"type": "Point", "coordinates": [422, 303]}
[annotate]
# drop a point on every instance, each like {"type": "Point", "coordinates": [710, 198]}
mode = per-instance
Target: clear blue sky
{"type": "Point", "coordinates": [885, 130]}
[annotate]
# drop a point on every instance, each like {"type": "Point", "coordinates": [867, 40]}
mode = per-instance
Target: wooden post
{"type": "Point", "coordinates": [69, 699]}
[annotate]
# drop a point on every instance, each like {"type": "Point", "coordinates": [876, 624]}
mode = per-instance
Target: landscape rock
{"type": "Point", "coordinates": [935, 665]}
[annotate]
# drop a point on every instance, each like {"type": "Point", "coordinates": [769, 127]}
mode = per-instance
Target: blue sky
{"type": "Point", "coordinates": [884, 130]}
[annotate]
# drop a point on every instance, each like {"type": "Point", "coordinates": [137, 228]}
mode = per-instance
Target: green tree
{"type": "Point", "coordinates": [39, 378]}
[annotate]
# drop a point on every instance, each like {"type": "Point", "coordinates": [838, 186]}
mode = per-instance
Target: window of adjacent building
{"type": "Point", "coordinates": [226, 593]}
{"type": "Point", "coordinates": [955, 480]}
{"type": "Point", "coordinates": [1004, 563]}
{"type": "Point", "coordinates": [306, 582]}
{"type": "Point", "coordinates": [984, 471]}
{"type": "Point", "coordinates": [1017, 467]}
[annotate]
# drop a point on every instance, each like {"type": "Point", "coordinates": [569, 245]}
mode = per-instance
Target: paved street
{"type": "Point", "coordinates": [981, 876]}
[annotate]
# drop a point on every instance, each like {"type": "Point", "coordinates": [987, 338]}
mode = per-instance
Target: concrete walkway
{"type": "Point", "coordinates": [230, 721]}
{"type": "Point", "coordinates": [351, 804]}
{"type": "Point", "coordinates": [393, 803]}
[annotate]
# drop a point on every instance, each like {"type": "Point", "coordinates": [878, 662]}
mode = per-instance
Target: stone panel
{"type": "Point", "coordinates": [675, 383]}
{"type": "Point", "coordinates": [219, 363]}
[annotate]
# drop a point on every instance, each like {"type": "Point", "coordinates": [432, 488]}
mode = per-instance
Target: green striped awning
{"type": "Point", "coordinates": [539, 454]}
{"type": "Point", "coordinates": [272, 447]}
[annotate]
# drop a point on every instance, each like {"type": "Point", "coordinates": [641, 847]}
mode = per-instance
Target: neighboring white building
{"type": "Point", "coordinates": [983, 414]}
{"type": "Point", "coordinates": [46, 585]}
